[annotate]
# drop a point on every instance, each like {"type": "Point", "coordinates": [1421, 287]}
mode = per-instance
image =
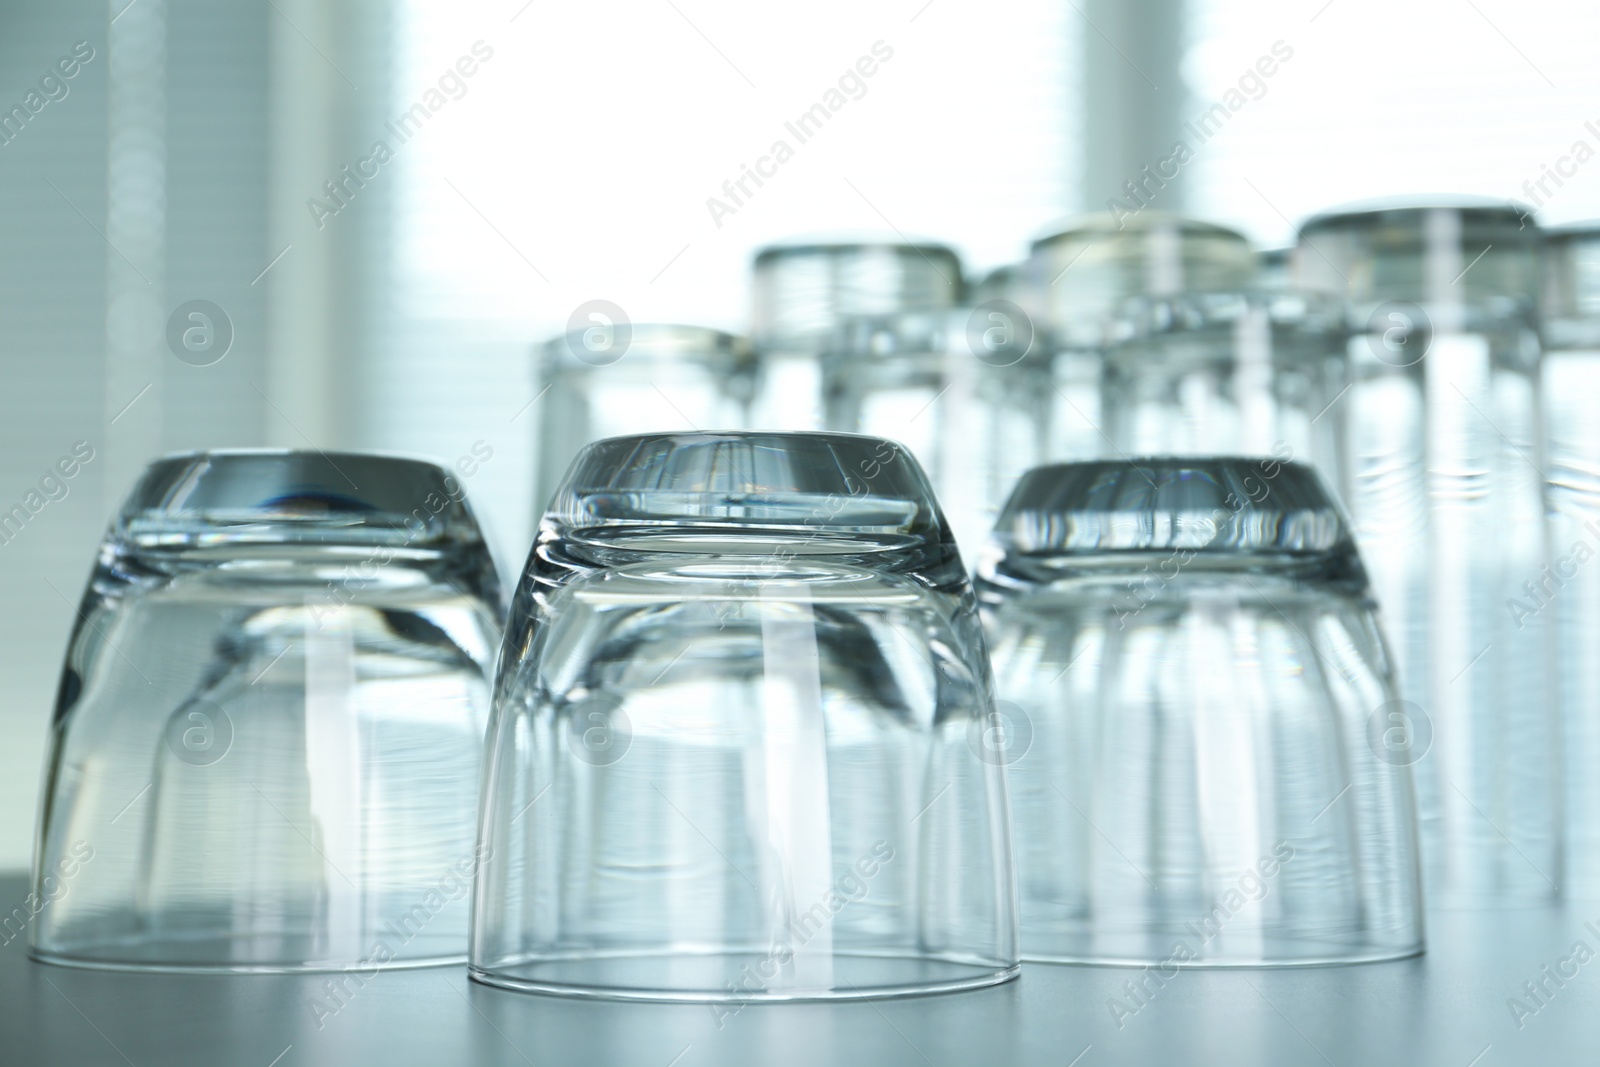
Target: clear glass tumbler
{"type": "Point", "coordinates": [736, 747]}
{"type": "Point", "coordinates": [1447, 496]}
{"type": "Point", "coordinates": [611, 380]}
{"type": "Point", "coordinates": [802, 291]}
{"type": "Point", "coordinates": [266, 745]}
{"type": "Point", "coordinates": [1247, 373]}
{"type": "Point", "coordinates": [1208, 765]}
{"type": "Point", "coordinates": [1080, 275]}
{"type": "Point", "coordinates": [1569, 590]}
{"type": "Point", "coordinates": [968, 391]}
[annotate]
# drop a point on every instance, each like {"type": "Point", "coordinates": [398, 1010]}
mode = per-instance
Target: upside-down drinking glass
{"type": "Point", "coordinates": [801, 292]}
{"type": "Point", "coordinates": [1249, 373]}
{"type": "Point", "coordinates": [1447, 493]}
{"type": "Point", "coordinates": [736, 748]}
{"type": "Point", "coordinates": [1080, 275]}
{"type": "Point", "coordinates": [1207, 762]}
{"type": "Point", "coordinates": [265, 749]}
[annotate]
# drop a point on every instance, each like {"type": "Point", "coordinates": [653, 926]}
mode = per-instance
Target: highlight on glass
{"type": "Point", "coordinates": [266, 745]}
{"type": "Point", "coordinates": [736, 747]}
{"type": "Point", "coordinates": [1209, 763]}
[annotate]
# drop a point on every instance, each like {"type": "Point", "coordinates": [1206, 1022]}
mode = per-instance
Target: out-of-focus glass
{"type": "Point", "coordinates": [1252, 373]}
{"type": "Point", "coordinates": [266, 745]}
{"type": "Point", "coordinates": [968, 391]}
{"type": "Point", "coordinates": [1570, 589]}
{"type": "Point", "coordinates": [1273, 269]}
{"type": "Point", "coordinates": [736, 747]}
{"type": "Point", "coordinates": [1447, 496]}
{"type": "Point", "coordinates": [609, 380]}
{"type": "Point", "coordinates": [802, 292]}
{"type": "Point", "coordinates": [1082, 274]}
{"type": "Point", "coordinates": [1010, 282]}
{"type": "Point", "coordinates": [1205, 763]}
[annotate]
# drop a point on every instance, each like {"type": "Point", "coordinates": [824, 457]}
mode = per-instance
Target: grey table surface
{"type": "Point", "coordinates": [1448, 1007]}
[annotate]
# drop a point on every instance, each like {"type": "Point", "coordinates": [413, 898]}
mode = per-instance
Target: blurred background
{"type": "Point", "coordinates": [392, 204]}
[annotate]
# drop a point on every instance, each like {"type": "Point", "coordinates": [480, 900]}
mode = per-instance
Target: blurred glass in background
{"type": "Point", "coordinates": [803, 293]}
{"type": "Point", "coordinates": [610, 377]}
{"type": "Point", "coordinates": [965, 390]}
{"type": "Point", "coordinates": [1568, 590]}
{"type": "Point", "coordinates": [1251, 373]}
{"type": "Point", "coordinates": [1447, 494]}
{"type": "Point", "coordinates": [1079, 278]}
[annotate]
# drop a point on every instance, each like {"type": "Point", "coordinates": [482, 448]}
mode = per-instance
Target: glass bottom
{"type": "Point", "coordinates": [232, 954]}
{"type": "Point", "coordinates": [736, 976]}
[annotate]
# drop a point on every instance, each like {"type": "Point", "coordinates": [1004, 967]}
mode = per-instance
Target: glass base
{"type": "Point", "coordinates": [231, 954]}
{"type": "Point", "coordinates": [1186, 948]}
{"type": "Point", "coordinates": [736, 977]}
{"type": "Point", "coordinates": [1222, 963]}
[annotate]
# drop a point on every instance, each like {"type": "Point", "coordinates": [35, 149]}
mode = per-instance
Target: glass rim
{"type": "Point", "coordinates": [649, 342]}
{"type": "Point", "coordinates": [1100, 225]}
{"type": "Point", "coordinates": [1211, 505]}
{"type": "Point", "coordinates": [1406, 249]}
{"type": "Point", "coordinates": [843, 245]}
{"type": "Point", "coordinates": [997, 974]}
{"type": "Point", "coordinates": [1396, 207]}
